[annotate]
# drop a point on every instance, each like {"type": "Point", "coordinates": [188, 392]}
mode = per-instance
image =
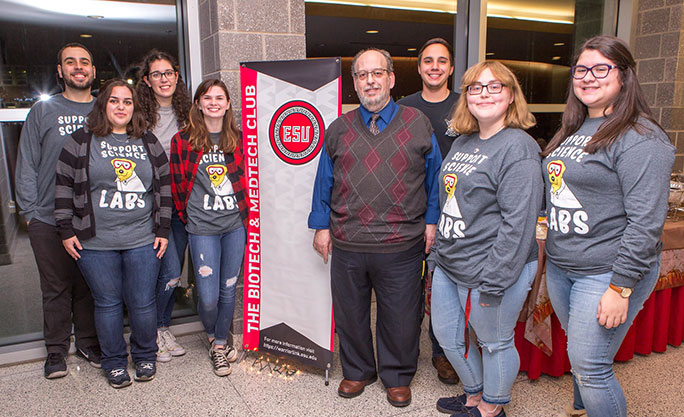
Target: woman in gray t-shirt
{"type": "Point", "coordinates": [113, 210]}
{"type": "Point", "coordinates": [485, 249]}
{"type": "Point", "coordinates": [607, 176]}
{"type": "Point", "coordinates": [208, 192]}
{"type": "Point", "coordinates": [165, 102]}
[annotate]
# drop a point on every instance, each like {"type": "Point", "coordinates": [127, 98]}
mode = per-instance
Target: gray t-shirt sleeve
{"type": "Point", "coordinates": [28, 161]}
{"type": "Point", "coordinates": [643, 171]}
{"type": "Point", "coordinates": [519, 197]}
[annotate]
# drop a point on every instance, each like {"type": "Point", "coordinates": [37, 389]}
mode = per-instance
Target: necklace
{"type": "Point", "coordinates": [111, 135]}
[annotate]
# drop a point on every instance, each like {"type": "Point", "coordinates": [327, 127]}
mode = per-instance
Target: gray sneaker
{"type": "Point", "coordinates": [172, 346]}
{"type": "Point", "coordinates": [163, 354]}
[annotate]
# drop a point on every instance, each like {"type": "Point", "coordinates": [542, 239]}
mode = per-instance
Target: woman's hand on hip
{"type": "Point", "coordinates": [160, 243]}
{"type": "Point", "coordinates": [72, 246]}
{"type": "Point", "coordinates": [612, 309]}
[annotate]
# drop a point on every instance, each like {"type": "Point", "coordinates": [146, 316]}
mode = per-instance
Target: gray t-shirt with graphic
{"type": "Point", "coordinates": [490, 193]}
{"type": "Point", "coordinates": [212, 207]}
{"type": "Point", "coordinates": [47, 125]}
{"type": "Point", "coordinates": [120, 176]}
{"type": "Point", "coordinates": [167, 126]}
{"type": "Point", "coordinates": [606, 210]}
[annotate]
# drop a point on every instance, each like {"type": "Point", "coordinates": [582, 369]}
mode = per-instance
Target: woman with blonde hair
{"type": "Point", "coordinates": [485, 252]}
{"type": "Point", "coordinates": [208, 188]}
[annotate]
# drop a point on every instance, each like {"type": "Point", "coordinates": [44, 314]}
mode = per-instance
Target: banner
{"type": "Point", "coordinates": [287, 305]}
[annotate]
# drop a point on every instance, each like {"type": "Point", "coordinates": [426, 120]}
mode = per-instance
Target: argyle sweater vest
{"type": "Point", "coordinates": [378, 199]}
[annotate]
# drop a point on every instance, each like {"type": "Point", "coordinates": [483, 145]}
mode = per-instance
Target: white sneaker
{"type": "Point", "coordinates": [163, 354]}
{"type": "Point", "coordinates": [171, 345]}
{"type": "Point", "coordinates": [231, 353]}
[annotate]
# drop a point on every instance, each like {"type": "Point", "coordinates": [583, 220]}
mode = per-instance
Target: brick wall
{"type": "Point", "coordinates": [658, 47]}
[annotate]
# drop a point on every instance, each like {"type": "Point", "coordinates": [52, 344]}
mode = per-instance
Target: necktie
{"type": "Point", "coordinates": [373, 124]}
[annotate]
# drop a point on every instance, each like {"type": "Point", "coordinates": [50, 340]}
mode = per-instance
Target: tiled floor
{"type": "Point", "coordinates": [186, 386]}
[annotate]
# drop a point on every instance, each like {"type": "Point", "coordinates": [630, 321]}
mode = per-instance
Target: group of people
{"type": "Point", "coordinates": [113, 190]}
{"type": "Point", "coordinates": [457, 179]}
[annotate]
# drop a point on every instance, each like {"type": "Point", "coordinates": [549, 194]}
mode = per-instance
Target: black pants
{"type": "Point", "coordinates": [395, 277]}
{"type": "Point", "coordinates": [64, 291]}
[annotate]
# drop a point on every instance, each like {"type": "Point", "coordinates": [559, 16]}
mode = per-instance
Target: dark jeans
{"type": "Point", "coordinates": [170, 271]}
{"type": "Point", "coordinates": [395, 277]}
{"type": "Point", "coordinates": [117, 277]}
{"type": "Point", "coordinates": [64, 292]}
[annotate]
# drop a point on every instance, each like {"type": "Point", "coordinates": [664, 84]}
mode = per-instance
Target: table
{"type": "Point", "coordinates": [541, 342]}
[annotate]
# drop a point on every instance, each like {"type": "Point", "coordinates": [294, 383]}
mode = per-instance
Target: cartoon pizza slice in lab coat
{"type": "Point", "coordinates": [561, 195]}
{"type": "Point", "coordinates": [451, 205]}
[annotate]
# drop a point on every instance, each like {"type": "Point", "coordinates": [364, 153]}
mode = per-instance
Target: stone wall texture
{"type": "Point", "coordinates": [658, 47]}
{"type": "Point", "coordinates": [234, 31]}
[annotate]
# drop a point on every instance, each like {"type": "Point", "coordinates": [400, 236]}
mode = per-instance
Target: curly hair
{"type": "Point", "coordinates": [148, 102]}
{"type": "Point", "coordinates": [99, 124]}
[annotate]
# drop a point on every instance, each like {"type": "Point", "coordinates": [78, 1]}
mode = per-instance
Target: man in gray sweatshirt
{"type": "Point", "coordinates": [64, 291]}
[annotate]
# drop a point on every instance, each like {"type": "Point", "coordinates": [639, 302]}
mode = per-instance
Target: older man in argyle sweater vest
{"type": "Point", "coordinates": [376, 203]}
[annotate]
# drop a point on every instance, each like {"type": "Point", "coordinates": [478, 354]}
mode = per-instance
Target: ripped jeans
{"type": "Point", "coordinates": [170, 271]}
{"type": "Point", "coordinates": [492, 372]}
{"type": "Point", "coordinates": [217, 260]}
{"type": "Point", "coordinates": [591, 347]}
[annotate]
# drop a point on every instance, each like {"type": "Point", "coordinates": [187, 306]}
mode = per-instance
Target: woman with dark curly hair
{"type": "Point", "coordinates": [165, 104]}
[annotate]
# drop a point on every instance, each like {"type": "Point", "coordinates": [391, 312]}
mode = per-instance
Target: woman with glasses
{"type": "Point", "coordinates": [209, 193]}
{"type": "Point", "coordinates": [165, 103]}
{"type": "Point", "coordinates": [485, 252]}
{"type": "Point", "coordinates": [113, 211]}
{"type": "Point", "coordinates": [607, 176]}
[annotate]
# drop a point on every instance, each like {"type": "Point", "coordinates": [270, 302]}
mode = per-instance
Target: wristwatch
{"type": "Point", "coordinates": [623, 291]}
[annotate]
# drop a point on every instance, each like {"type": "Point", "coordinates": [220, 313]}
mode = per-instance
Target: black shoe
{"type": "Point", "coordinates": [92, 354]}
{"type": "Point", "coordinates": [119, 378]}
{"type": "Point", "coordinates": [55, 366]}
{"type": "Point", "coordinates": [145, 371]}
{"type": "Point", "coordinates": [451, 405]}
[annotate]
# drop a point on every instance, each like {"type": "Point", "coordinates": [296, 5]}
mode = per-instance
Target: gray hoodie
{"type": "Point", "coordinates": [490, 193]}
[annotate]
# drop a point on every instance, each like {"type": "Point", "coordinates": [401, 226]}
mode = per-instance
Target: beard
{"type": "Point", "coordinates": [374, 104]}
{"type": "Point", "coordinates": [83, 85]}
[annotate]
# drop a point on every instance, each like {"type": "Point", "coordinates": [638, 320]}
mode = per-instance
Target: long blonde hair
{"type": "Point", "coordinates": [517, 116]}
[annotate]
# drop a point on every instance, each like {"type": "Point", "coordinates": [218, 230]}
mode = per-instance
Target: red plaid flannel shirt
{"type": "Point", "coordinates": [184, 164]}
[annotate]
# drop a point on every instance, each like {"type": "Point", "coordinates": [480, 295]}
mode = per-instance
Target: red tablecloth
{"type": "Point", "coordinates": [659, 323]}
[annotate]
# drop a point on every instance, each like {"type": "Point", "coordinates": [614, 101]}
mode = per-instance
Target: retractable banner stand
{"type": "Point", "coordinates": [286, 108]}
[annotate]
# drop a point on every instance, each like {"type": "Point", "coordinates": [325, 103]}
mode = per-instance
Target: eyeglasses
{"type": "Point", "coordinates": [377, 73]}
{"type": "Point", "coordinates": [599, 71]}
{"type": "Point", "coordinates": [492, 88]}
{"type": "Point", "coordinates": [169, 74]}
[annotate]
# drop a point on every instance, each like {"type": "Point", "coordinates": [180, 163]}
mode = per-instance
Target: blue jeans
{"type": "Point", "coordinates": [217, 259]}
{"type": "Point", "coordinates": [170, 271]}
{"type": "Point", "coordinates": [494, 371]}
{"type": "Point", "coordinates": [592, 347]}
{"type": "Point", "coordinates": [116, 277]}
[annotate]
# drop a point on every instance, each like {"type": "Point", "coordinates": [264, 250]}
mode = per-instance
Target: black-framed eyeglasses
{"type": "Point", "coordinates": [492, 88]}
{"type": "Point", "coordinates": [376, 73]}
{"type": "Point", "coordinates": [169, 74]}
{"type": "Point", "coordinates": [599, 71]}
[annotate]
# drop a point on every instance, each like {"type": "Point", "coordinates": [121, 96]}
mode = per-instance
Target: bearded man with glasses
{"type": "Point", "coordinates": [375, 209]}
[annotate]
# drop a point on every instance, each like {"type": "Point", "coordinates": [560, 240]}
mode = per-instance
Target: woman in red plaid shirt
{"type": "Point", "coordinates": [208, 187]}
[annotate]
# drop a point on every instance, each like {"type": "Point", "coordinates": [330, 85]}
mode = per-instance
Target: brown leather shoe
{"type": "Point", "coordinates": [399, 396]}
{"type": "Point", "coordinates": [445, 372]}
{"type": "Point", "coordinates": [351, 389]}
